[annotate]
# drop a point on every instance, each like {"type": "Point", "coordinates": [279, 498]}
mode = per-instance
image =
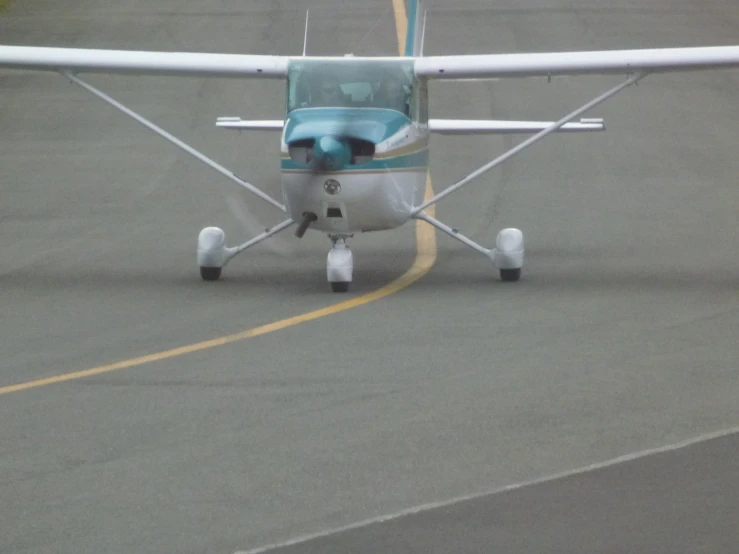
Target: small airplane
{"type": "Point", "coordinates": [355, 138]}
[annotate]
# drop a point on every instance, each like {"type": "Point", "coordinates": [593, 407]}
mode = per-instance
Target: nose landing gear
{"type": "Point", "coordinates": [340, 264]}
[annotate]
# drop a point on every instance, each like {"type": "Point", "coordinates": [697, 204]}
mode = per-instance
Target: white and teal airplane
{"type": "Point", "coordinates": [355, 138]}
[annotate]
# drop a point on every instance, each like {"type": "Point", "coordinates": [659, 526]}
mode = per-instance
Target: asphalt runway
{"type": "Point", "coordinates": [620, 337]}
{"type": "Point", "coordinates": [642, 506]}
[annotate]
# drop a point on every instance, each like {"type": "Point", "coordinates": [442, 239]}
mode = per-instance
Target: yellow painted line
{"type": "Point", "coordinates": [401, 24]}
{"type": "Point", "coordinates": [425, 258]}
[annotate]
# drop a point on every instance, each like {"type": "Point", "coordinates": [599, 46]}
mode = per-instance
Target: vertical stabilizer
{"type": "Point", "coordinates": [416, 28]}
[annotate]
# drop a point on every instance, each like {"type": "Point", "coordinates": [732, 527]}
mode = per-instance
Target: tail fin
{"type": "Point", "coordinates": [416, 29]}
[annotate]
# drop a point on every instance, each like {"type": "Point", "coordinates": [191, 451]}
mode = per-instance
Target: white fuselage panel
{"type": "Point", "coordinates": [366, 200]}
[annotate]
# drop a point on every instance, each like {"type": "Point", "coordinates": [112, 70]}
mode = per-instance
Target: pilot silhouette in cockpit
{"type": "Point", "coordinates": [391, 95]}
{"type": "Point", "coordinates": [328, 93]}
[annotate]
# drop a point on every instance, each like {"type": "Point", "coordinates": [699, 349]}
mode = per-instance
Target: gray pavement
{"type": "Point", "coordinates": [621, 335]}
{"type": "Point", "coordinates": [683, 501]}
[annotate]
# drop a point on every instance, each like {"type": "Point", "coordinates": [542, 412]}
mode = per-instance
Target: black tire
{"type": "Point", "coordinates": [510, 275]}
{"type": "Point", "coordinates": [210, 273]}
{"type": "Point", "coordinates": [340, 286]}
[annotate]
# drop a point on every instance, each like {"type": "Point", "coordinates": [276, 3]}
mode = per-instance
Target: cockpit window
{"type": "Point", "coordinates": [350, 84]}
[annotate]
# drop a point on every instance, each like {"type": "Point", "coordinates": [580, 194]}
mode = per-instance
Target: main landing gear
{"type": "Point", "coordinates": [213, 254]}
{"type": "Point", "coordinates": [507, 256]}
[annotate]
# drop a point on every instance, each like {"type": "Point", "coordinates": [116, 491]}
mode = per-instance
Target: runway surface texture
{"type": "Point", "coordinates": [620, 337]}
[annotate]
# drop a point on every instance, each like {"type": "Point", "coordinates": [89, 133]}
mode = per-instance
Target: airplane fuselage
{"type": "Point", "coordinates": [364, 201]}
{"type": "Point", "coordinates": [359, 163]}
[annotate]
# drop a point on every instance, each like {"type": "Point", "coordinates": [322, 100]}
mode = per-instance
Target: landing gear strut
{"type": "Point", "coordinates": [213, 254]}
{"type": "Point", "coordinates": [507, 256]}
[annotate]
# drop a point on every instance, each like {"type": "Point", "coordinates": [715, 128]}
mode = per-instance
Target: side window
{"type": "Point", "coordinates": [297, 94]}
{"type": "Point", "coordinates": [408, 100]}
{"type": "Point", "coordinates": [419, 101]}
{"type": "Point", "coordinates": [392, 94]}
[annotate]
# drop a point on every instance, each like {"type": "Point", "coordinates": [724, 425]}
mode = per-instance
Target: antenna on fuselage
{"type": "Point", "coordinates": [305, 37]}
{"type": "Point", "coordinates": [423, 33]}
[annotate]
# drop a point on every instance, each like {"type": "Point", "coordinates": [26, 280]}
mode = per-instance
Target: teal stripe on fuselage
{"type": "Point", "coordinates": [408, 161]}
{"type": "Point", "coordinates": [372, 124]}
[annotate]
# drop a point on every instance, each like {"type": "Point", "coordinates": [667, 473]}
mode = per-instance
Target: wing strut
{"type": "Point", "coordinates": [174, 140]}
{"type": "Point", "coordinates": [417, 212]}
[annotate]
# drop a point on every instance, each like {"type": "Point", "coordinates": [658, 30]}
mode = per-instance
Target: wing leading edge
{"type": "Point", "coordinates": [504, 127]}
{"type": "Point", "coordinates": [433, 67]}
{"type": "Point", "coordinates": [577, 63]}
{"type": "Point", "coordinates": [142, 62]}
{"type": "Point", "coordinates": [440, 126]}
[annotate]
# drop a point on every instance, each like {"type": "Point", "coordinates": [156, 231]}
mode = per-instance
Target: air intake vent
{"type": "Point", "coordinates": [333, 212]}
{"type": "Point", "coordinates": [362, 151]}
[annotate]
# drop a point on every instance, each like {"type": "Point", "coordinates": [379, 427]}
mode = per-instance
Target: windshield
{"type": "Point", "coordinates": [350, 84]}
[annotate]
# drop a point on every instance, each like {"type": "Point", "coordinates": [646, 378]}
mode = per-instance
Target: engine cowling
{"type": "Point", "coordinates": [331, 153]}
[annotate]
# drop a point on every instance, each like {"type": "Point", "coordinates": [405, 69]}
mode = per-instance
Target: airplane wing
{"type": "Point", "coordinates": [503, 127]}
{"type": "Point", "coordinates": [437, 126]}
{"type": "Point", "coordinates": [226, 122]}
{"type": "Point", "coordinates": [437, 67]}
{"type": "Point", "coordinates": [577, 63]}
{"type": "Point", "coordinates": [81, 60]}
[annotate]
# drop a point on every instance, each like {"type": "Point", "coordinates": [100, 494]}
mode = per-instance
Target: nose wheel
{"type": "Point", "coordinates": [339, 286]}
{"type": "Point", "coordinates": [339, 265]}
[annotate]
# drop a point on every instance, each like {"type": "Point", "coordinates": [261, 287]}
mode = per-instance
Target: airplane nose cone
{"type": "Point", "coordinates": [331, 153]}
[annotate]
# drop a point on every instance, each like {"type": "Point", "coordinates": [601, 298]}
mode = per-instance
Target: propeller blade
{"type": "Point", "coordinates": [330, 153]}
{"type": "Point", "coordinates": [251, 224]}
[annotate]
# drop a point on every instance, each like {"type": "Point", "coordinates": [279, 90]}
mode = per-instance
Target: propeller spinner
{"type": "Point", "coordinates": [330, 154]}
